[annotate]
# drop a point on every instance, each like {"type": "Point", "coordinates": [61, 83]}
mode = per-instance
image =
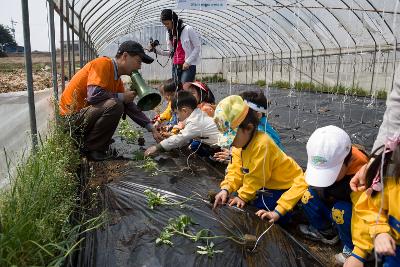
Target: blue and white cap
{"type": "Point", "coordinates": [327, 148]}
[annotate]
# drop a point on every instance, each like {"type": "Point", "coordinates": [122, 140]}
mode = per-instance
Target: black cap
{"type": "Point", "coordinates": [135, 48]}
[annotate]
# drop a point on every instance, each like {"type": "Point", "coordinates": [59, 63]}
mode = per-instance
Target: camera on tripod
{"type": "Point", "coordinates": [154, 44]}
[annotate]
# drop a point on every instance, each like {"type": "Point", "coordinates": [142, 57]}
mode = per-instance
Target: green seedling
{"type": "Point", "coordinates": [208, 250]}
{"type": "Point", "coordinates": [149, 165]}
{"type": "Point", "coordinates": [180, 226]}
{"type": "Point", "coordinates": [155, 199]}
{"type": "Point", "coordinates": [138, 155]}
{"type": "Point", "coordinates": [127, 132]}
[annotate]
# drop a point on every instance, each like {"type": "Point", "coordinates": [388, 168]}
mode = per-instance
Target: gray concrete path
{"type": "Point", "coordinates": [15, 126]}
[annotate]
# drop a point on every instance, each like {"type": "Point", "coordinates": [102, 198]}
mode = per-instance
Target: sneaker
{"type": "Point", "coordinates": [327, 236]}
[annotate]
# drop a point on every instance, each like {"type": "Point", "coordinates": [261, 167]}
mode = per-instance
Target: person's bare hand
{"type": "Point", "coordinates": [357, 183]}
{"type": "Point", "coordinates": [150, 151]}
{"type": "Point", "coordinates": [129, 96]}
{"type": "Point", "coordinates": [237, 201]}
{"type": "Point", "coordinates": [272, 216]}
{"type": "Point", "coordinates": [353, 262]}
{"type": "Point", "coordinates": [222, 156]}
{"type": "Point", "coordinates": [385, 245]}
{"type": "Point", "coordinates": [157, 135]}
{"type": "Point", "coordinates": [185, 66]}
{"type": "Point", "coordinates": [220, 198]}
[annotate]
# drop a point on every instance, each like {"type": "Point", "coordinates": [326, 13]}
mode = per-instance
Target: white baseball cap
{"type": "Point", "coordinates": [327, 148]}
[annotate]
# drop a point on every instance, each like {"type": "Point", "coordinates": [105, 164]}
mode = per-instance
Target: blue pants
{"type": "Point", "coordinates": [202, 149]}
{"type": "Point", "coordinates": [392, 261]}
{"type": "Point", "coordinates": [267, 198]}
{"type": "Point", "coordinates": [321, 217]}
{"type": "Point", "coordinates": [179, 75]}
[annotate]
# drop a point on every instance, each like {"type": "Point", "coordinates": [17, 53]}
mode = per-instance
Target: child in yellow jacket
{"type": "Point", "coordinates": [260, 172]}
{"type": "Point", "coordinates": [168, 90]}
{"type": "Point", "coordinates": [378, 210]}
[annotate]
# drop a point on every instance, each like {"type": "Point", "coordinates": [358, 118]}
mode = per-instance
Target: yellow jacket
{"type": "Point", "coordinates": [167, 113]}
{"type": "Point", "coordinates": [264, 164]}
{"type": "Point", "coordinates": [369, 224]}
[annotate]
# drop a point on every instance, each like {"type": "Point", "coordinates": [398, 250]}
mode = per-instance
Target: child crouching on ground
{"type": "Point", "coordinates": [206, 103]}
{"type": "Point", "coordinates": [258, 102]}
{"type": "Point", "coordinates": [260, 172]}
{"type": "Point", "coordinates": [328, 202]}
{"type": "Point", "coordinates": [205, 98]}
{"type": "Point", "coordinates": [378, 209]}
{"type": "Point", "coordinates": [198, 125]}
{"type": "Point", "coordinates": [168, 90]}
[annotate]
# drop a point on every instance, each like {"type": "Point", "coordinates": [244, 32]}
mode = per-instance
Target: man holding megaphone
{"type": "Point", "coordinates": [95, 99]}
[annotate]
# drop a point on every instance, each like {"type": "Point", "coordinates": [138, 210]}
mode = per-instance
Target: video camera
{"type": "Point", "coordinates": [154, 43]}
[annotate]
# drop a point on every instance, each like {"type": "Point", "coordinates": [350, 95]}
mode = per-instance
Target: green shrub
{"type": "Point", "coordinates": [216, 78]}
{"type": "Point", "coordinates": [280, 84]}
{"type": "Point", "coordinates": [260, 83]}
{"type": "Point", "coordinates": [35, 227]}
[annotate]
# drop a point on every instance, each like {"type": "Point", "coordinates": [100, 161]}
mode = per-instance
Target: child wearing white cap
{"type": "Point", "coordinates": [332, 162]}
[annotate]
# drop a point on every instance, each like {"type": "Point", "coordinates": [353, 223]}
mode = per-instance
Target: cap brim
{"type": "Point", "coordinates": [226, 138]}
{"type": "Point", "coordinates": [147, 59]}
{"type": "Point", "coordinates": [321, 177]}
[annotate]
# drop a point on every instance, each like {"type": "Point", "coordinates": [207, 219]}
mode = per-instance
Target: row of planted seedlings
{"type": "Point", "coordinates": [42, 217]}
{"type": "Point", "coordinates": [183, 225]}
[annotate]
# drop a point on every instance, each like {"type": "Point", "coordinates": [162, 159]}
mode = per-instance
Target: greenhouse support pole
{"type": "Point", "coordinates": [265, 70]}
{"type": "Point", "coordinates": [323, 72]}
{"type": "Point", "coordinates": [62, 45]}
{"type": "Point", "coordinates": [222, 67]}
{"type": "Point", "coordinates": [394, 64]}
{"type": "Point", "coordinates": [281, 65]}
{"type": "Point", "coordinates": [312, 65]}
{"type": "Point", "coordinates": [373, 72]}
{"type": "Point", "coordinates": [301, 64]}
{"type": "Point", "coordinates": [73, 37]}
{"type": "Point", "coordinates": [53, 50]}
{"type": "Point", "coordinates": [246, 68]}
{"type": "Point", "coordinates": [290, 66]}
{"type": "Point", "coordinates": [80, 46]}
{"type": "Point", "coordinates": [252, 69]}
{"type": "Point", "coordinates": [68, 42]}
{"type": "Point", "coordinates": [354, 69]}
{"type": "Point", "coordinates": [236, 69]}
{"type": "Point", "coordinates": [28, 69]}
{"type": "Point", "coordinates": [272, 67]}
{"type": "Point", "coordinates": [338, 68]}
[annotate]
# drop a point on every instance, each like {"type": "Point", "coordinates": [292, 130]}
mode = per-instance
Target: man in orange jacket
{"type": "Point", "coordinates": [95, 99]}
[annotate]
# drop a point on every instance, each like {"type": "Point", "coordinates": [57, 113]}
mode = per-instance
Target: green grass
{"type": "Point", "coordinates": [216, 78]}
{"type": "Point", "coordinates": [35, 226]}
{"type": "Point", "coordinates": [260, 83]}
{"type": "Point", "coordinates": [337, 89]}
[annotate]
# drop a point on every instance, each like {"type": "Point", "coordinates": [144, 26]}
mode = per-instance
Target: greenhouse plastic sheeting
{"type": "Point", "coordinates": [129, 238]}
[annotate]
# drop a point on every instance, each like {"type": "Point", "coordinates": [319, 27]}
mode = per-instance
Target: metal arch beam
{"type": "Point", "coordinates": [115, 15]}
{"type": "Point", "coordinates": [271, 38]}
{"type": "Point", "coordinates": [94, 11]}
{"type": "Point", "coordinates": [209, 41]}
{"type": "Point", "coordinates": [380, 15]}
{"type": "Point", "coordinates": [203, 26]}
{"type": "Point", "coordinates": [124, 27]}
{"type": "Point", "coordinates": [193, 15]}
{"type": "Point", "coordinates": [278, 46]}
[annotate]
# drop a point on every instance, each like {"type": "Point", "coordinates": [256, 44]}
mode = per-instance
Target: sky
{"type": "Point", "coordinates": [38, 22]}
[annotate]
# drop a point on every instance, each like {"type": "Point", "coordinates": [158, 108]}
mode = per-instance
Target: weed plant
{"type": "Point", "coordinates": [35, 221]}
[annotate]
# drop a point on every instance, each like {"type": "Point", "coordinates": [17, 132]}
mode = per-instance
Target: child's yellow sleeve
{"type": "Point", "coordinates": [234, 177]}
{"type": "Point", "coordinates": [290, 198]}
{"type": "Point", "coordinates": [167, 114]}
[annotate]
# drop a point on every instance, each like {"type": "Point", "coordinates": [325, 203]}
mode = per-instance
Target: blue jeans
{"type": "Point", "coordinates": [202, 149]}
{"type": "Point", "coordinates": [392, 261]}
{"type": "Point", "coordinates": [179, 75]}
{"type": "Point", "coordinates": [321, 217]}
{"type": "Point", "coordinates": [267, 198]}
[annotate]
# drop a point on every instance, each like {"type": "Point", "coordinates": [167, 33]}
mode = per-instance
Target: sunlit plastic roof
{"type": "Point", "coordinates": [250, 27]}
